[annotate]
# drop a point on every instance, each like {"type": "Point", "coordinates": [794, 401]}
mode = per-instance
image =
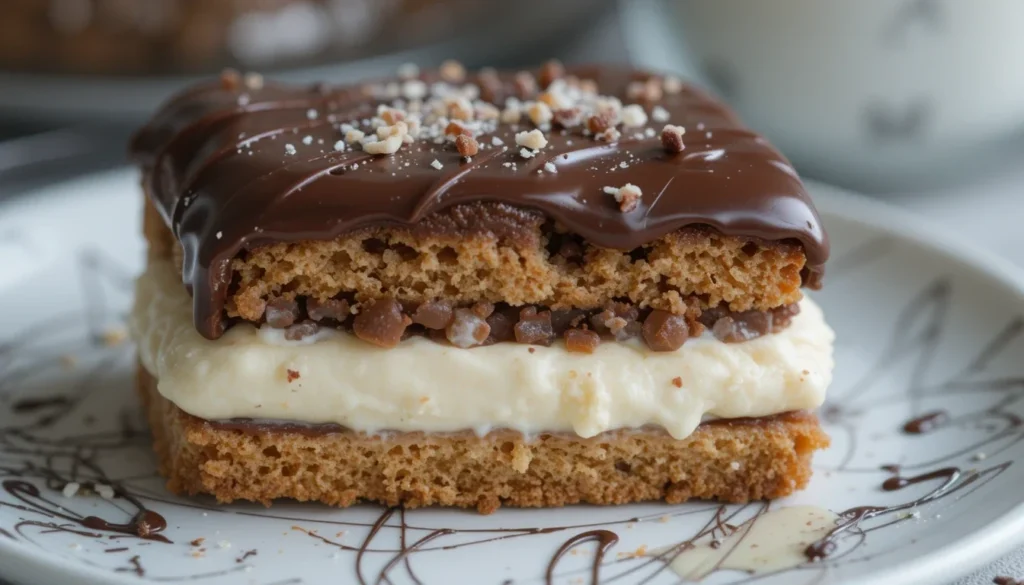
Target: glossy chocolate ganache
{"type": "Point", "coordinates": [239, 163]}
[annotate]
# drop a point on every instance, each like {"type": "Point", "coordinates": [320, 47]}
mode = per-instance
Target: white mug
{"type": "Point", "coordinates": [870, 92]}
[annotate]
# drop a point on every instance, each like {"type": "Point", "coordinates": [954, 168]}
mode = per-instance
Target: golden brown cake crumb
{"type": "Point", "coordinates": [502, 468]}
{"type": "Point", "coordinates": [542, 267]}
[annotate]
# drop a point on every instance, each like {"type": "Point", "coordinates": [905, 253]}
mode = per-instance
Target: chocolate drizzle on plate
{"type": "Point", "coordinates": [926, 422]}
{"type": "Point", "coordinates": [42, 450]}
{"type": "Point", "coordinates": [605, 540]}
{"type": "Point", "coordinates": [233, 168]}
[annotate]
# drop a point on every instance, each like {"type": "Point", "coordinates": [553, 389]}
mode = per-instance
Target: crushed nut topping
{"type": "Point", "coordinates": [525, 84]}
{"type": "Point", "coordinates": [568, 117]}
{"type": "Point", "coordinates": [551, 71]}
{"type": "Point", "coordinates": [609, 135]}
{"type": "Point", "coordinates": [533, 139]}
{"type": "Point", "coordinates": [540, 113]}
{"type": "Point", "coordinates": [598, 123]}
{"type": "Point", "coordinates": [634, 115]}
{"type": "Point", "coordinates": [389, 145]}
{"type": "Point", "coordinates": [353, 136]}
{"type": "Point", "coordinates": [454, 129]}
{"type": "Point", "coordinates": [452, 71]}
{"type": "Point", "coordinates": [627, 196]}
{"type": "Point", "coordinates": [672, 138]}
{"type": "Point", "coordinates": [466, 145]}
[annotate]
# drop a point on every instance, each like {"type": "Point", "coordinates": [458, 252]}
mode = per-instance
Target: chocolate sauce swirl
{"type": "Point", "coordinates": [217, 167]}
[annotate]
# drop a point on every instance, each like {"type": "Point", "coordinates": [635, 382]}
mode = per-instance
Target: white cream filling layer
{"type": "Point", "coordinates": [422, 385]}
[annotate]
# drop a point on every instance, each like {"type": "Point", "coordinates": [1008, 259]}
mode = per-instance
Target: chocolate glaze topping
{"type": "Point", "coordinates": [233, 166]}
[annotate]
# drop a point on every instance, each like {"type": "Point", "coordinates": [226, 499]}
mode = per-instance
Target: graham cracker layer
{"type": "Point", "coordinates": [733, 461]}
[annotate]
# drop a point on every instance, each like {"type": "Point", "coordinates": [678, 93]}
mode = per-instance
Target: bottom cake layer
{"type": "Point", "coordinates": [729, 460]}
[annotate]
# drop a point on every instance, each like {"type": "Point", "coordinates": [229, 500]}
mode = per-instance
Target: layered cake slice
{"type": "Point", "coordinates": [531, 288]}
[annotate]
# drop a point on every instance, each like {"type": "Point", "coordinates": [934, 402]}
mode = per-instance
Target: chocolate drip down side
{"type": "Point", "coordinates": [233, 168]}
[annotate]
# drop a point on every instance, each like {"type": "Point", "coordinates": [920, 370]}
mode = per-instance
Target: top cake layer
{"type": "Point", "coordinates": [241, 164]}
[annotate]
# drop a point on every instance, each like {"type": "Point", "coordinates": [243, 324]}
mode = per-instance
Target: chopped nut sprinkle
{"type": "Point", "coordinates": [353, 136]}
{"type": "Point", "coordinates": [452, 71]}
{"type": "Point", "coordinates": [466, 145]}
{"type": "Point", "coordinates": [436, 164]}
{"type": "Point", "coordinates": [634, 115]}
{"type": "Point", "coordinates": [533, 139]}
{"type": "Point", "coordinates": [672, 138]}
{"type": "Point", "coordinates": [539, 113]}
{"type": "Point", "coordinates": [627, 196]}
{"type": "Point", "coordinates": [389, 145]}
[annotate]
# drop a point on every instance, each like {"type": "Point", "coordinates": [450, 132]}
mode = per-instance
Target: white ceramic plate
{"type": "Point", "coordinates": [923, 324]}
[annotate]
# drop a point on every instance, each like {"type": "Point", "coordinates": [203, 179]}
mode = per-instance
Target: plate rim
{"type": "Point", "coordinates": [951, 561]}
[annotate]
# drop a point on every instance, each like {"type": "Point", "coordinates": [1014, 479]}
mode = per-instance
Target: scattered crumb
{"type": "Point", "coordinates": [197, 542]}
{"type": "Point", "coordinates": [677, 382]}
{"type": "Point", "coordinates": [550, 167]}
{"type": "Point", "coordinates": [293, 375]}
{"type": "Point", "coordinates": [71, 489]}
{"type": "Point", "coordinates": [223, 544]}
{"type": "Point", "coordinates": [289, 148]}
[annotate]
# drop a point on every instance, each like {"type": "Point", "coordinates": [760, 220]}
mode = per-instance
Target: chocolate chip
{"type": "Point", "coordinates": [467, 329]}
{"type": "Point", "coordinates": [299, 331]}
{"type": "Point", "coordinates": [334, 309]}
{"type": "Point", "coordinates": [534, 328]}
{"type": "Point", "coordinates": [281, 313]}
{"type": "Point", "coordinates": [664, 331]}
{"type": "Point", "coordinates": [502, 323]}
{"type": "Point", "coordinates": [581, 340]}
{"type": "Point", "coordinates": [564, 319]}
{"type": "Point", "coordinates": [433, 314]}
{"type": "Point", "coordinates": [381, 323]}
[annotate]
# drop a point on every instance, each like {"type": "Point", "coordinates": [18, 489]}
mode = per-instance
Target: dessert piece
{"type": "Point", "coordinates": [530, 288]}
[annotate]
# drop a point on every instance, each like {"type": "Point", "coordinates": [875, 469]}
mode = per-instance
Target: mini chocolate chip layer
{"type": "Point", "coordinates": [386, 322]}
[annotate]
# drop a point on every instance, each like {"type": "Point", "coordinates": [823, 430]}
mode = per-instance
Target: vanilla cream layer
{"type": "Point", "coordinates": [422, 385]}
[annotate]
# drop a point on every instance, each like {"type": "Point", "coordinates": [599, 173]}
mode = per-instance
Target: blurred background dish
{"type": "Point", "coordinates": [174, 37]}
{"type": "Point", "coordinates": [876, 94]}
